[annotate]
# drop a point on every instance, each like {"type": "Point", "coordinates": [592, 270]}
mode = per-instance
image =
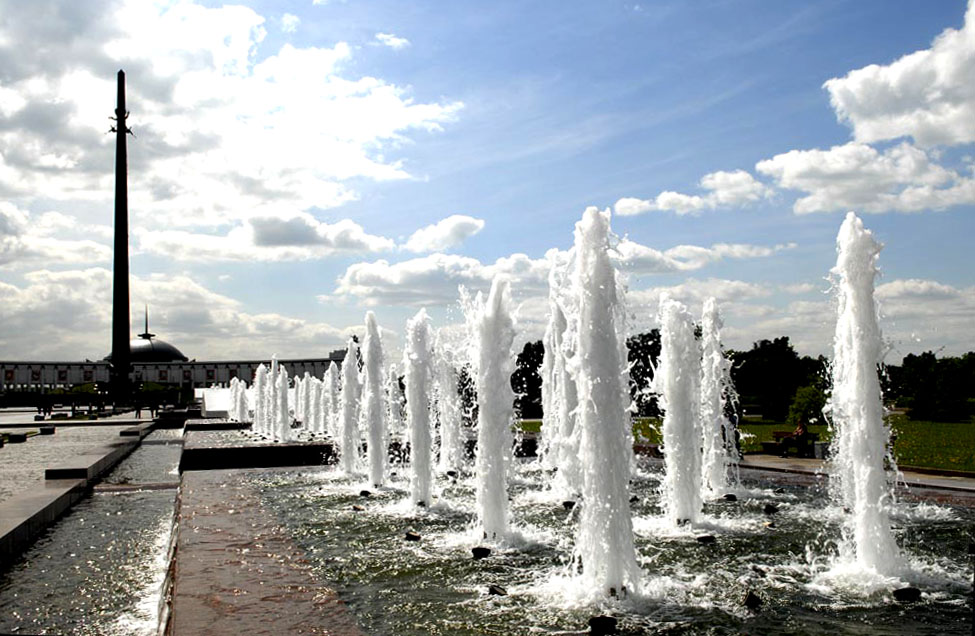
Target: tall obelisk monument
{"type": "Point", "coordinates": [121, 354]}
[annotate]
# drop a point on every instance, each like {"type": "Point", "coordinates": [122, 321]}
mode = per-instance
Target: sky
{"type": "Point", "coordinates": [296, 164]}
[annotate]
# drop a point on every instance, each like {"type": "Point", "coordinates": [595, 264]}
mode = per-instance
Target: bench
{"type": "Point", "coordinates": [803, 445]}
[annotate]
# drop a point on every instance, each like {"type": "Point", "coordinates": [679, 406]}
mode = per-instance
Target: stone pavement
{"type": "Point", "coordinates": [237, 572]}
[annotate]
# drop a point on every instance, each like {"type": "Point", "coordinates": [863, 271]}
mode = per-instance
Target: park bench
{"type": "Point", "coordinates": [803, 445]}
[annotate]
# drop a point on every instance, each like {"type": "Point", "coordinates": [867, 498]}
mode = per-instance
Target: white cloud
{"type": "Point", "coordinates": [724, 190]}
{"type": "Point", "coordinates": [639, 259]}
{"type": "Point", "coordinates": [928, 95]}
{"type": "Point", "coordinates": [445, 234]}
{"type": "Point", "coordinates": [25, 240]}
{"type": "Point", "coordinates": [225, 128]}
{"type": "Point", "coordinates": [67, 315]}
{"type": "Point", "coordinates": [856, 176]}
{"type": "Point", "coordinates": [290, 22]}
{"type": "Point", "coordinates": [392, 41]}
{"type": "Point", "coordinates": [269, 238]}
{"type": "Point", "coordinates": [434, 279]}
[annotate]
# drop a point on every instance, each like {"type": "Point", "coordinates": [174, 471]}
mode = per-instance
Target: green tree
{"type": "Point", "coordinates": [807, 404]}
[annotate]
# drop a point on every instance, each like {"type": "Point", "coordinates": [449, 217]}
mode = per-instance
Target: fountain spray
{"type": "Point", "coordinates": [418, 366]}
{"type": "Point", "coordinates": [604, 543]}
{"type": "Point", "coordinates": [348, 427]}
{"type": "Point", "coordinates": [373, 409]}
{"type": "Point", "coordinates": [492, 331]}
{"type": "Point", "coordinates": [861, 435]}
{"type": "Point", "coordinates": [716, 391]}
{"type": "Point", "coordinates": [676, 382]}
{"type": "Point", "coordinates": [451, 443]}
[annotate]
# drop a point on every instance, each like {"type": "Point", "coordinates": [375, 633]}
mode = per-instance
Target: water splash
{"type": "Point", "coordinates": [720, 454]}
{"type": "Point", "coordinates": [449, 408]}
{"type": "Point", "coordinates": [348, 424]}
{"type": "Point", "coordinates": [418, 367]}
{"type": "Point", "coordinates": [492, 332]}
{"type": "Point", "coordinates": [861, 436]}
{"type": "Point", "coordinates": [677, 383]}
{"type": "Point", "coordinates": [373, 407]}
{"type": "Point", "coordinates": [604, 543]}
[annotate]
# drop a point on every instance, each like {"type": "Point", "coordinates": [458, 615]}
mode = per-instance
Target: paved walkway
{"type": "Point", "coordinates": [941, 488]}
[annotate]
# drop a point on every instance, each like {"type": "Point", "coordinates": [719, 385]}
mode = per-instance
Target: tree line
{"type": "Point", "coordinates": [773, 381]}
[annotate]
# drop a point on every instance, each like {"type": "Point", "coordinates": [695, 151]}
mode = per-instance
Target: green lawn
{"type": "Point", "coordinates": [943, 445]}
{"type": "Point", "coordinates": [946, 445]}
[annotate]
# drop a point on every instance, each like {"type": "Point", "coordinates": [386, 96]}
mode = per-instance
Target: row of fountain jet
{"type": "Point", "coordinates": [586, 436]}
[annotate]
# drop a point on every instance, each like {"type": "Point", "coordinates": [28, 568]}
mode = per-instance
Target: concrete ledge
{"type": "Point", "coordinates": [91, 465]}
{"type": "Point", "coordinates": [24, 516]}
{"type": "Point", "coordinates": [140, 430]}
{"type": "Point", "coordinates": [256, 456]}
{"type": "Point", "coordinates": [215, 424]}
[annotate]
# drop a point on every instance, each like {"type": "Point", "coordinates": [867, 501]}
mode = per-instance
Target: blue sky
{"type": "Point", "coordinates": [290, 154]}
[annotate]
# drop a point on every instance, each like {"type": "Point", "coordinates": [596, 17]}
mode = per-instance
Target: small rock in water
{"type": "Point", "coordinates": [358, 508]}
{"type": "Point", "coordinates": [706, 538]}
{"type": "Point", "coordinates": [452, 473]}
{"type": "Point", "coordinates": [770, 509]}
{"type": "Point", "coordinates": [480, 552]}
{"type": "Point", "coordinates": [634, 499]}
{"type": "Point", "coordinates": [421, 504]}
{"type": "Point", "coordinates": [602, 625]}
{"type": "Point", "coordinates": [497, 590]}
{"type": "Point", "coordinates": [907, 594]}
{"type": "Point", "coordinates": [568, 505]}
{"type": "Point", "coordinates": [730, 497]}
{"type": "Point", "coordinates": [412, 536]}
{"type": "Point", "coordinates": [779, 491]}
{"type": "Point", "coordinates": [752, 601]}
{"type": "Point", "coordinates": [365, 493]}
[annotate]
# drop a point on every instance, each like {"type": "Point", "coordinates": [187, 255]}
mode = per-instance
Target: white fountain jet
{"type": "Point", "coordinates": [604, 543]}
{"type": "Point", "coordinates": [677, 382]}
{"type": "Point", "coordinates": [348, 425]}
{"type": "Point", "coordinates": [861, 436]}
{"type": "Point", "coordinates": [330, 401]}
{"type": "Point", "coordinates": [720, 454]}
{"type": "Point", "coordinates": [418, 367]}
{"type": "Point", "coordinates": [491, 335]}
{"type": "Point", "coordinates": [260, 401]}
{"type": "Point", "coordinates": [449, 407]}
{"type": "Point", "coordinates": [373, 403]}
{"type": "Point", "coordinates": [282, 414]}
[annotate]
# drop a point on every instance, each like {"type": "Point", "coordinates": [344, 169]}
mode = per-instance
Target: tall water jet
{"type": "Point", "coordinates": [330, 401]}
{"type": "Point", "coordinates": [373, 404]}
{"type": "Point", "coordinates": [492, 335]}
{"type": "Point", "coordinates": [314, 424]}
{"type": "Point", "coordinates": [604, 542]}
{"type": "Point", "coordinates": [449, 408]}
{"type": "Point", "coordinates": [394, 405]}
{"type": "Point", "coordinates": [861, 436]}
{"type": "Point", "coordinates": [282, 415]}
{"type": "Point", "coordinates": [720, 453]}
{"type": "Point", "coordinates": [548, 448]}
{"type": "Point", "coordinates": [260, 401]}
{"type": "Point", "coordinates": [418, 367]}
{"type": "Point", "coordinates": [568, 479]}
{"type": "Point", "coordinates": [270, 421]}
{"type": "Point", "coordinates": [677, 383]}
{"type": "Point", "coordinates": [348, 426]}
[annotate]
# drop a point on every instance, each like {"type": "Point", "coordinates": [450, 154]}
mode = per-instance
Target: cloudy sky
{"type": "Point", "coordinates": [297, 163]}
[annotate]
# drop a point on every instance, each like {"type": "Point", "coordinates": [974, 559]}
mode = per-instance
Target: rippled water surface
{"type": "Point", "coordinates": [100, 568]}
{"type": "Point", "coordinates": [433, 586]}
